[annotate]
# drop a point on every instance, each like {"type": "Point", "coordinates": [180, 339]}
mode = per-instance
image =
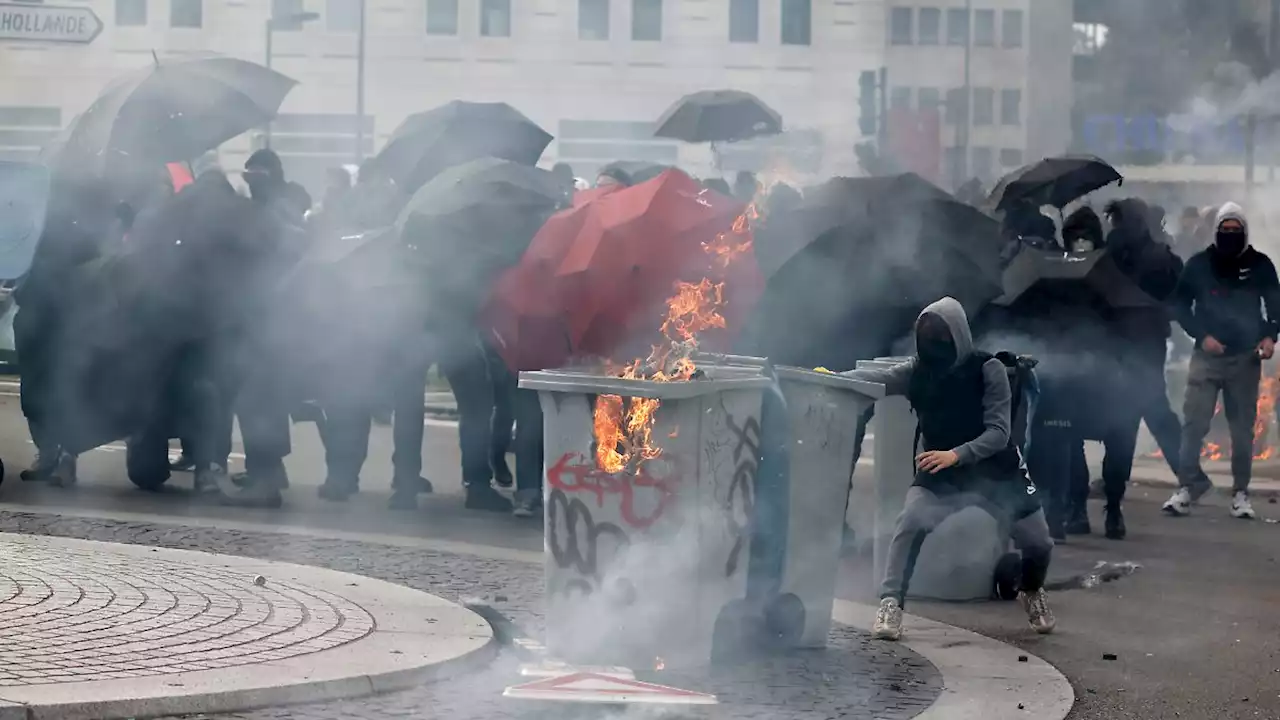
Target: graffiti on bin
{"type": "Point", "coordinates": [740, 502]}
{"type": "Point", "coordinates": [583, 547]}
{"type": "Point", "coordinates": [576, 473]}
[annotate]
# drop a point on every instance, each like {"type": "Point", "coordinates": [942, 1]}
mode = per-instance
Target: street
{"type": "Point", "coordinates": [1193, 632]}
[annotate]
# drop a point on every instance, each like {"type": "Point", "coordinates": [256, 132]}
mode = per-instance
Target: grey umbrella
{"type": "Point", "coordinates": [427, 143]}
{"type": "Point", "coordinates": [718, 116]}
{"type": "Point", "coordinates": [169, 112]}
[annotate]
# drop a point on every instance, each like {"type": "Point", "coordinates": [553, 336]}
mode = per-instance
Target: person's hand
{"type": "Point", "coordinates": [1266, 348]}
{"type": "Point", "coordinates": [935, 461]}
{"type": "Point", "coordinates": [1212, 346]}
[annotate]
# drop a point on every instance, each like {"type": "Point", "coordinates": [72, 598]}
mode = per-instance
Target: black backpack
{"type": "Point", "coordinates": [1021, 372]}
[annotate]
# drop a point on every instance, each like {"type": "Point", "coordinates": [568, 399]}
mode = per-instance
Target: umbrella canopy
{"type": "Point", "coordinates": [427, 143]}
{"type": "Point", "coordinates": [850, 267]}
{"type": "Point", "coordinates": [637, 170]}
{"type": "Point", "coordinates": [1054, 275]}
{"type": "Point", "coordinates": [596, 278]}
{"type": "Point", "coordinates": [475, 220]}
{"type": "Point", "coordinates": [1053, 181]}
{"type": "Point", "coordinates": [718, 116]}
{"type": "Point", "coordinates": [169, 112]}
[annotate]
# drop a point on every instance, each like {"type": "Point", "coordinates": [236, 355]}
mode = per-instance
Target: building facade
{"type": "Point", "coordinates": [1018, 97]}
{"type": "Point", "coordinates": [594, 73]}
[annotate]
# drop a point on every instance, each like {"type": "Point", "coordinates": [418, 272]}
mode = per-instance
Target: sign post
{"type": "Point", "coordinates": [48, 23]}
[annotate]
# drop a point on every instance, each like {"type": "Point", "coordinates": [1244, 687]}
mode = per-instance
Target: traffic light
{"type": "Point", "coordinates": [868, 104]}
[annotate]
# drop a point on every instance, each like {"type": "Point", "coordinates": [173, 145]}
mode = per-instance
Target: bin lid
{"type": "Point", "coordinates": [717, 380]}
{"type": "Point", "coordinates": [833, 380]}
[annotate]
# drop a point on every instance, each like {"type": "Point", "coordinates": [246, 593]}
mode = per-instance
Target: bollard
{"type": "Point", "coordinates": [823, 411]}
{"type": "Point", "coordinates": [648, 566]}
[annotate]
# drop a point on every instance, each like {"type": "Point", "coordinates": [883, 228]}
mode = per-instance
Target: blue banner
{"type": "Point", "coordinates": [1107, 135]}
{"type": "Point", "coordinates": [24, 199]}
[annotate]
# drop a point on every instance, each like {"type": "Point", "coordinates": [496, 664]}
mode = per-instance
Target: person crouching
{"type": "Point", "coordinates": [964, 403]}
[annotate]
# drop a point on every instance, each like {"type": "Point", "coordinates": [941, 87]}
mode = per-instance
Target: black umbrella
{"type": "Point", "coordinates": [473, 221]}
{"type": "Point", "coordinates": [171, 111]}
{"type": "Point", "coordinates": [637, 171]}
{"type": "Point", "coordinates": [429, 142]}
{"type": "Point", "coordinates": [1055, 276]}
{"type": "Point", "coordinates": [1053, 181]}
{"type": "Point", "coordinates": [718, 116]}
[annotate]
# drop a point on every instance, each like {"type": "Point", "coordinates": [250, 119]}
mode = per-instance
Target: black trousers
{"type": "Point", "coordinates": [345, 434]}
{"type": "Point", "coordinates": [523, 410]}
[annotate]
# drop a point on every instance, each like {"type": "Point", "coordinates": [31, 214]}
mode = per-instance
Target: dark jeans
{"type": "Point", "coordinates": [523, 410]}
{"type": "Point", "coordinates": [466, 367]}
{"type": "Point", "coordinates": [345, 433]}
{"type": "Point", "coordinates": [1120, 443]}
{"type": "Point", "coordinates": [1236, 377]}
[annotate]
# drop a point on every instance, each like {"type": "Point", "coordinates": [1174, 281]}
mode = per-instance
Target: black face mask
{"type": "Point", "coordinates": [1231, 243]}
{"type": "Point", "coordinates": [936, 354]}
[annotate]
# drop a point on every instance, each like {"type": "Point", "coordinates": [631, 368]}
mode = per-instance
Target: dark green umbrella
{"type": "Point", "coordinates": [473, 221]}
{"type": "Point", "coordinates": [1052, 181]}
{"type": "Point", "coordinates": [427, 143]}
{"type": "Point", "coordinates": [168, 112]}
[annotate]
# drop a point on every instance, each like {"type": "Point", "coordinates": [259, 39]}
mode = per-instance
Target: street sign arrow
{"type": "Point", "coordinates": [596, 688]}
{"type": "Point", "coordinates": [48, 23]}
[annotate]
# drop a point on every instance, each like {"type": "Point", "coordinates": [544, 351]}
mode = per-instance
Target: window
{"type": "Point", "coordinates": [646, 20]}
{"type": "Point", "coordinates": [984, 28]}
{"type": "Point", "coordinates": [928, 98]}
{"type": "Point", "coordinates": [930, 26]}
{"type": "Point", "coordinates": [953, 165]}
{"type": "Point", "coordinates": [342, 16]}
{"type": "Point", "coordinates": [186, 13]}
{"type": "Point", "coordinates": [797, 22]}
{"type": "Point", "coordinates": [284, 14]}
{"type": "Point", "coordinates": [744, 21]}
{"type": "Point", "coordinates": [900, 98]}
{"type": "Point", "coordinates": [495, 18]}
{"type": "Point", "coordinates": [1011, 24]}
{"type": "Point", "coordinates": [1011, 107]}
{"type": "Point", "coordinates": [957, 107]}
{"type": "Point", "coordinates": [981, 161]}
{"type": "Point", "coordinates": [593, 19]}
{"type": "Point", "coordinates": [1010, 157]}
{"type": "Point", "coordinates": [131, 13]}
{"type": "Point", "coordinates": [900, 26]}
{"type": "Point", "coordinates": [442, 17]}
{"type": "Point", "coordinates": [984, 106]}
{"type": "Point", "coordinates": [957, 26]}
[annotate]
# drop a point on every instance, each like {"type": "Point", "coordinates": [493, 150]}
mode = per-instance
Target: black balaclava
{"type": "Point", "coordinates": [934, 344]}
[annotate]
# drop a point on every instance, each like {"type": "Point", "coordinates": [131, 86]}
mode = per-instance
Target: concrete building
{"type": "Point", "coordinates": [1019, 76]}
{"type": "Point", "coordinates": [594, 73]}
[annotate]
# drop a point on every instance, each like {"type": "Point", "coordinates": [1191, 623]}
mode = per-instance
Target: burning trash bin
{"type": "Point", "coordinates": [649, 497]}
{"type": "Point", "coordinates": [823, 411]}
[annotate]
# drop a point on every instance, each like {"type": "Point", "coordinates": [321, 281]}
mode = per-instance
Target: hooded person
{"type": "Point", "coordinates": [1082, 231]}
{"type": "Point", "coordinates": [1228, 301]}
{"type": "Point", "coordinates": [964, 403]}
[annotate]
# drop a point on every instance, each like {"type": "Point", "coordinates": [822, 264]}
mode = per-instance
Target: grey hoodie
{"type": "Point", "coordinates": [997, 407]}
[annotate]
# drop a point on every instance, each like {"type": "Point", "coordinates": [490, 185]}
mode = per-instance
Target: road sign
{"type": "Point", "coordinates": [595, 688]}
{"type": "Point", "coordinates": [48, 23]}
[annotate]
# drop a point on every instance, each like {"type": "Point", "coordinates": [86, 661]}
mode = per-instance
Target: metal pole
{"type": "Point", "coordinates": [882, 138]}
{"type": "Point", "coordinates": [360, 88]}
{"type": "Point", "coordinates": [267, 25]}
{"type": "Point", "coordinates": [967, 115]}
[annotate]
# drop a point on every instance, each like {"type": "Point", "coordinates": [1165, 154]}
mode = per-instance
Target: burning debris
{"type": "Point", "coordinates": [623, 427]}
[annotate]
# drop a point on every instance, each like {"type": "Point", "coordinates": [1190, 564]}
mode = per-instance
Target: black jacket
{"type": "Point", "coordinates": [1226, 299]}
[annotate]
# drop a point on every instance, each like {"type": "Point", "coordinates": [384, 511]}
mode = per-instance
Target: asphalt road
{"type": "Point", "coordinates": [1195, 632]}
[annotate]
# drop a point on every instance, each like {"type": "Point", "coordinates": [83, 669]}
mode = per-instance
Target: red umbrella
{"type": "Point", "coordinates": [582, 197]}
{"type": "Point", "coordinates": [601, 273]}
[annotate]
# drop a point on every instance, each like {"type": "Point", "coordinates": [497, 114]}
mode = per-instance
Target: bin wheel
{"type": "Point", "coordinates": [1008, 576]}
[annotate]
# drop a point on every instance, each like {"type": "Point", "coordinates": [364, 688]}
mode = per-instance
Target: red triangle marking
{"type": "Point", "coordinates": [610, 684]}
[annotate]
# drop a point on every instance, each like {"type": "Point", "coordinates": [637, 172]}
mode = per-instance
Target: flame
{"type": "Point", "coordinates": [1266, 409]}
{"type": "Point", "coordinates": [623, 427]}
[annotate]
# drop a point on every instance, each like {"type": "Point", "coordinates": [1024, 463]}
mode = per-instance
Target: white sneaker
{"type": "Point", "coordinates": [1180, 504]}
{"type": "Point", "coordinates": [888, 620]}
{"type": "Point", "coordinates": [1241, 507]}
{"type": "Point", "coordinates": [1039, 615]}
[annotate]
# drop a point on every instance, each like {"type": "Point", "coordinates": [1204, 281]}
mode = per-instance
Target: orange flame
{"type": "Point", "coordinates": [623, 428]}
{"type": "Point", "coordinates": [1266, 409]}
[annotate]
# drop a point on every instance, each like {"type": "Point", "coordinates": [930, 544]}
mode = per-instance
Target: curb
{"type": "Point", "coordinates": [982, 679]}
{"type": "Point", "coordinates": [316, 677]}
{"type": "Point", "coordinates": [1152, 481]}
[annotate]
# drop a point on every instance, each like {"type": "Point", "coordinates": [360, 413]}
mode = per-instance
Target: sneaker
{"type": "Point", "coordinates": [209, 481]}
{"type": "Point", "coordinates": [1241, 507]}
{"type": "Point", "coordinates": [1180, 504]}
{"type": "Point", "coordinates": [1078, 521]}
{"type": "Point", "coordinates": [40, 469]}
{"type": "Point", "coordinates": [401, 499]}
{"type": "Point", "coordinates": [526, 507]}
{"type": "Point", "coordinates": [63, 473]}
{"type": "Point", "coordinates": [1115, 529]}
{"type": "Point", "coordinates": [484, 497]}
{"type": "Point", "coordinates": [184, 463]}
{"type": "Point", "coordinates": [502, 473]}
{"type": "Point", "coordinates": [1038, 613]}
{"type": "Point", "coordinates": [335, 491]}
{"type": "Point", "coordinates": [888, 620]}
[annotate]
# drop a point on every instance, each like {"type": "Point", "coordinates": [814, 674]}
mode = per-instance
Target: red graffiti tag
{"type": "Point", "coordinates": [583, 475]}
